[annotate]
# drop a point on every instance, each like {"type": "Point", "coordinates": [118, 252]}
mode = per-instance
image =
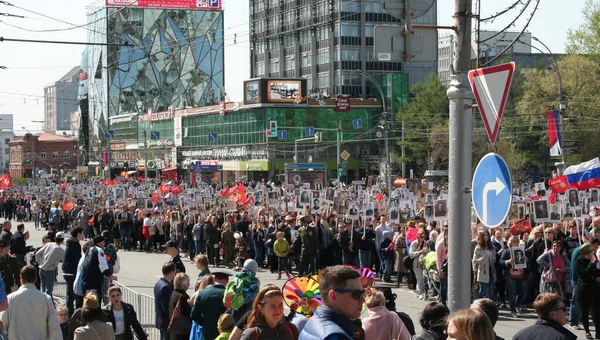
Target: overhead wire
{"type": "Point", "coordinates": [506, 10]}
{"type": "Point", "coordinates": [511, 24]}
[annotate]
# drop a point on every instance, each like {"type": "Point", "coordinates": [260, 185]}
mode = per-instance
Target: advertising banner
{"type": "Point", "coordinates": [205, 5]}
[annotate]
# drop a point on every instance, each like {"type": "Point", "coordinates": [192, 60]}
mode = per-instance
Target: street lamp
{"type": "Point", "coordinates": [562, 104]}
{"type": "Point", "coordinates": [386, 136]}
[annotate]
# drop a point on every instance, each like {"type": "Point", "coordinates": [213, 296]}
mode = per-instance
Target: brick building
{"type": "Point", "coordinates": [43, 151]}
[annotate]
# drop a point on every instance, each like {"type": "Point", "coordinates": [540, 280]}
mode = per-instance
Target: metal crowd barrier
{"type": "Point", "coordinates": [142, 304]}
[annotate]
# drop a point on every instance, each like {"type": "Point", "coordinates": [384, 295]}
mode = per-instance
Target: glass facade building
{"type": "Point", "coordinates": [155, 59]}
{"type": "Point", "coordinates": [326, 42]}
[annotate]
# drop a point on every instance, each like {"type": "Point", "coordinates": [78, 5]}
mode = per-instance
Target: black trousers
{"type": "Point", "coordinates": [589, 300]}
{"type": "Point", "coordinates": [71, 297]}
{"type": "Point", "coordinates": [213, 254]}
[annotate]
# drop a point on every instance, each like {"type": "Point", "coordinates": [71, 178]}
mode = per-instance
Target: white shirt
{"type": "Point", "coordinates": [31, 315]}
{"type": "Point", "coordinates": [119, 321]}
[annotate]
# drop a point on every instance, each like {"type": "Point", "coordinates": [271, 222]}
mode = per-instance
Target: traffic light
{"type": "Point", "coordinates": [383, 126]}
{"type": "Point", "coordinates": [273, 128]}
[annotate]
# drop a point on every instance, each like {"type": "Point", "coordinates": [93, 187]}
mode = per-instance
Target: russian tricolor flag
{"type": "Point", "coordinates": [585, 175]}
{"type": "Point", "coordinates": [554, 133]}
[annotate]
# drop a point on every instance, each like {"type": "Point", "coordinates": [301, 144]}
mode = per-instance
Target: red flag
{"type": "Point", "coordinates": [141, 178]}
{"type": "Point", "coordinates": [114, 181]}
{"type": "Point", "coordinates": [237, 193]}
{"type": "Point", "coordinates": [520, 227]}
{"type": "Point", "coordinates": [176, 190]}
{"type": "Point", "coordinates": [107, 183]}
{"type": "Point", "coordinates": [63, 186]}
{"type": "Point", "coordinates": [5, 182]}
{"type": "Point", "coordinates": [379, 197]}
{"type": "Point", "coordinates": [155, 197]}
{"type": "Point", "coordinates": [163, 188]}
{"type": "Point", "coordinates": [559, 184]}
{"type": "Point", "coordinates": [68, 206]}
{"type": "Point", "coordinates": [535, 198]}
{"type": "Point", "coordinates": [552, 198]}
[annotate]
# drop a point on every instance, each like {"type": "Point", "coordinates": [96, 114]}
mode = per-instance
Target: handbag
{"type": "Point", "coordinates": [180, 323]}
{"type": "Point", "coordinates": [549, 275]}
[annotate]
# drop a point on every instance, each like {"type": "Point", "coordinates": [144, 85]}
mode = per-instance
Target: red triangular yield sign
{"type": "Point", "coordinates": [490, 86]}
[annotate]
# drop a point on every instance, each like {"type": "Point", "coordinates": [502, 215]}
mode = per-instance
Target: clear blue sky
{"type": "Point", "coordinates": [32, 66]}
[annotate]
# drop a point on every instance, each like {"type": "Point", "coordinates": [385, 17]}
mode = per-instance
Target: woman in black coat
{"type": "Point", "coordinates": [588, 289]}
{"type": "Point", "coordinates": [181, 284]}
{"type": "Point", "coordinates": [129, 319]}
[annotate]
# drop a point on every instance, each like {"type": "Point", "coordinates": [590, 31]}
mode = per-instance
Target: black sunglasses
{"type": "Point", "coordinates": [564, 309]}
{"type": "Point", "coordinates": [356, 293]}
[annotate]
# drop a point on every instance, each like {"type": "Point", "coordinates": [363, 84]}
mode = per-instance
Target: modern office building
{"type": "Point", "coordinates": [330, 43]}
{"type": "Point", "coordinates": [157, 59]}
{"type": "Point", "coordinates": [491, 44]}
{"type": "Point", "coordinates": [60, 99]}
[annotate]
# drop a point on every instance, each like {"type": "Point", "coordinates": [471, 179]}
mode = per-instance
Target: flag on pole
{"type": "Point", "coordinates": [554, 133]}
{"type": "Point", "coordinates": [5, 182]}
{"type": "Point", "coordinates": [237, 193]}
{"type": "Point", "coordinates": [585, 175]}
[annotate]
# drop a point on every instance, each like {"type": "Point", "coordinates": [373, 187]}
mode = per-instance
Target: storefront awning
{"type": "Point", "coordinates": [168, 169]}
{"type": "Point", "coordinates": [131, 172]}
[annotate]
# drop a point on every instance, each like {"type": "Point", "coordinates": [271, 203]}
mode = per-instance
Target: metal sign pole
{"type": "Point", "coordinates": [459, 197]}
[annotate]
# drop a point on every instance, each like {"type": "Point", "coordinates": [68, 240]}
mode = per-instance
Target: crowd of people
{"type": "Point", "coordinates": [550, 268]}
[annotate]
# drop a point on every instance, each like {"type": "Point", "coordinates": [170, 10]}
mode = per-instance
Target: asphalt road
{"type": "Point", "coordinates": [140, 271]}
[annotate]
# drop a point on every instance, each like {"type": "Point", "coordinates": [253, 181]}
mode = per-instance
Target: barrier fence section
{"type": "Point", "coordinates": [142, 304]}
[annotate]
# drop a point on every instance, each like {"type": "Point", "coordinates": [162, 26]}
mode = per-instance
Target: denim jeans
{"type": "Point", "coordinates": [47, 278]}
{"type": "Point", "coordinates": [126, 237]}
{"type": "Point", "coordinates": [486, 287]}
{"type": "Point", "coordinates": [517, 292]}
{"type": "Point", "coordinates": [199, 247]}
{"type": "Point", "coordinates": [365, 258]}
{"type": "Point", "coordinates": [444, 289]}
{"type": "Point", "coordinates": [574, 308]}
{"type": "Point", "coordinates": [284, 265]}
{"type": "Point", "coordinates": [259, 250]}
{"type": "Point", "coordinates": [350, 258]}
{"type": "Point", "coordinates": [386, 265]}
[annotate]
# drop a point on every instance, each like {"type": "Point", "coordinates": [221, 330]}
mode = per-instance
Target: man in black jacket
{"type": "Point", "coordinates": [18, 248]}
{"type": "Point", "coordinates": [552, 314]}
{"type": "Point", "coordinates": [69, 267]}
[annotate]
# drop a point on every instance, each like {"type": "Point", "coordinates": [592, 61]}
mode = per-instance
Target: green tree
{"type": "Point", "coordinates": [428, 109]}
{"type": "Point", "coordinates": [581, 89]}
{"type": "Point", "coordinates": [585, 39]}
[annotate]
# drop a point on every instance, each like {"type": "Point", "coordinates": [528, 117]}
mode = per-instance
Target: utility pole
{"type": "Point", "coordinates": [459, 181]}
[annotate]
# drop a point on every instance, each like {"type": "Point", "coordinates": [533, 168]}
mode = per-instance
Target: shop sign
{"type": "Point", "coordinates": [155, 116]}
{"type": "Point", "coordinates": [342, 104]}
{"type": "Point", "coordinates": [232, 153]}
{"type": "Point", "coordinates": [117, 146]}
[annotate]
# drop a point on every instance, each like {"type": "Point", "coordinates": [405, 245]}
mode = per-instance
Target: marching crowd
{"type": "Point", "coordinates": [555, 274]}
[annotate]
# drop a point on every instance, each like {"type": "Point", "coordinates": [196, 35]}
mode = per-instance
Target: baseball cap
{"type": "Point", "coordinates": [60, 235]}
{"type": "Point", "coordinates": [171, 244]}
{"type": "Point", "coordinates": [250, 265]}
{"type": "Point", "coordinates": [386, 233]}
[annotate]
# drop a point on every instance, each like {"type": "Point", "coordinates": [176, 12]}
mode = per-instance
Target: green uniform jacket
{"type": "Point", "coordinates": [310, 239]}
{"type": "Point", "coordinates": [10, 271]}
{"type": "Point", "coordinates": [207, 310]}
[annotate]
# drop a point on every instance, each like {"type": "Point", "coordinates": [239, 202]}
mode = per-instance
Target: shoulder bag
{"type": "Point", "coordinates": [180, 323]}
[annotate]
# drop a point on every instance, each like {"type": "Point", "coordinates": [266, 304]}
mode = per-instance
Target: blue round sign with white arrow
{"type": "Point", "coordinates": [492, 190]}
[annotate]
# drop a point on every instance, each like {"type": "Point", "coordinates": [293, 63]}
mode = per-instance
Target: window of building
{"type": "Point", "coordinates": [28, 155]}
{"type": "Point", "coordinates": [54, 154]}
{"type": "Point", "coordinates": [274, 67]}
{"type": "Point", "coordinates": [304, 37]}
{"type": "Point", "coordinates": [351, 29]}
{"type": "Point", "coordinates": [323, 80]}
{"type": "Point", "coordinates": [323, 57]}
{"type": "Point", "coordinates": [43, 154]}
{"type": "Point", "coordinates": [290, 64]}
{"type": "Point", "coordinates": [350, 79]}
{"type": "Point", "coordinates": [306, 60]}
{"type": "Point", "coordinates": [6, 141]}
{"type": "Point", "coordinates": [260, 69]}
{"type": "Point", "coordinates": [67, 155]}
{"type": "Point", "coordinates": [351, 5]}
{"type": "Point", "coordinates": [369, 28]}
{"type": "Point", "coordinates": [349, 54]}
{"type": "Point", "coordinates": [323, 33]}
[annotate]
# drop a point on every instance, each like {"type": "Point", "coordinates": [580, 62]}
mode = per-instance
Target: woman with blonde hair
{"type": "Point", "coordinates": [382, 324]}
{"type": "Point", "coordinates": [418, 250]}
{"type": "Point", "coordinates": [470, 324]}
{"type": "Point", "coordinates": [265, 320]}
{"type": "Point", "coordinates": [180, 297]}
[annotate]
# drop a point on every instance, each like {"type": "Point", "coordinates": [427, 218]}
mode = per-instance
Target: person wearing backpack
{"type": "Point", "coordinates": [265, 320]}
{"type": "Point", "coordinates": [241, 293]}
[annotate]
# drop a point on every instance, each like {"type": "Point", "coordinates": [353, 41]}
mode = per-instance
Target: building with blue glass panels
{"type": "Point", "coordinates": [154, 59]}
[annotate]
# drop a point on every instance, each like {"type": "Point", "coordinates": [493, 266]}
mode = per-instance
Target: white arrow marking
{"type": "Point", "coordinates": [496, 186]}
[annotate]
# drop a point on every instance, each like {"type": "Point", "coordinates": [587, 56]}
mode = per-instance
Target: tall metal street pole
{"type": "Point", "coordinates": [562, 106]}
{"type": "Point", "coordinates": [459, 181]}
{"type": "Point", "coordinates": [388, 162]}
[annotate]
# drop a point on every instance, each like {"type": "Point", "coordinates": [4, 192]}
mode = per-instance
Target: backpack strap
{"type": "Point", "coordinates": [255, 333]}
{"type": "Point", "coordinates": [288, 328]}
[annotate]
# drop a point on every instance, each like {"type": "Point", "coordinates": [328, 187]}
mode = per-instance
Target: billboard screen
{"type": "Point", "coordinates": [283, 91]}
{"type": "Point", "coordinates": [252, 92]}
{"type": "Point", "coordinates": [205, 5]}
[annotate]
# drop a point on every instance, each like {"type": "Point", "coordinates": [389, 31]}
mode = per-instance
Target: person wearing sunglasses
{"type": "Point", "coordinates": [343, 297]}
{"type": "Point", "coordinates": [552, 316]}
